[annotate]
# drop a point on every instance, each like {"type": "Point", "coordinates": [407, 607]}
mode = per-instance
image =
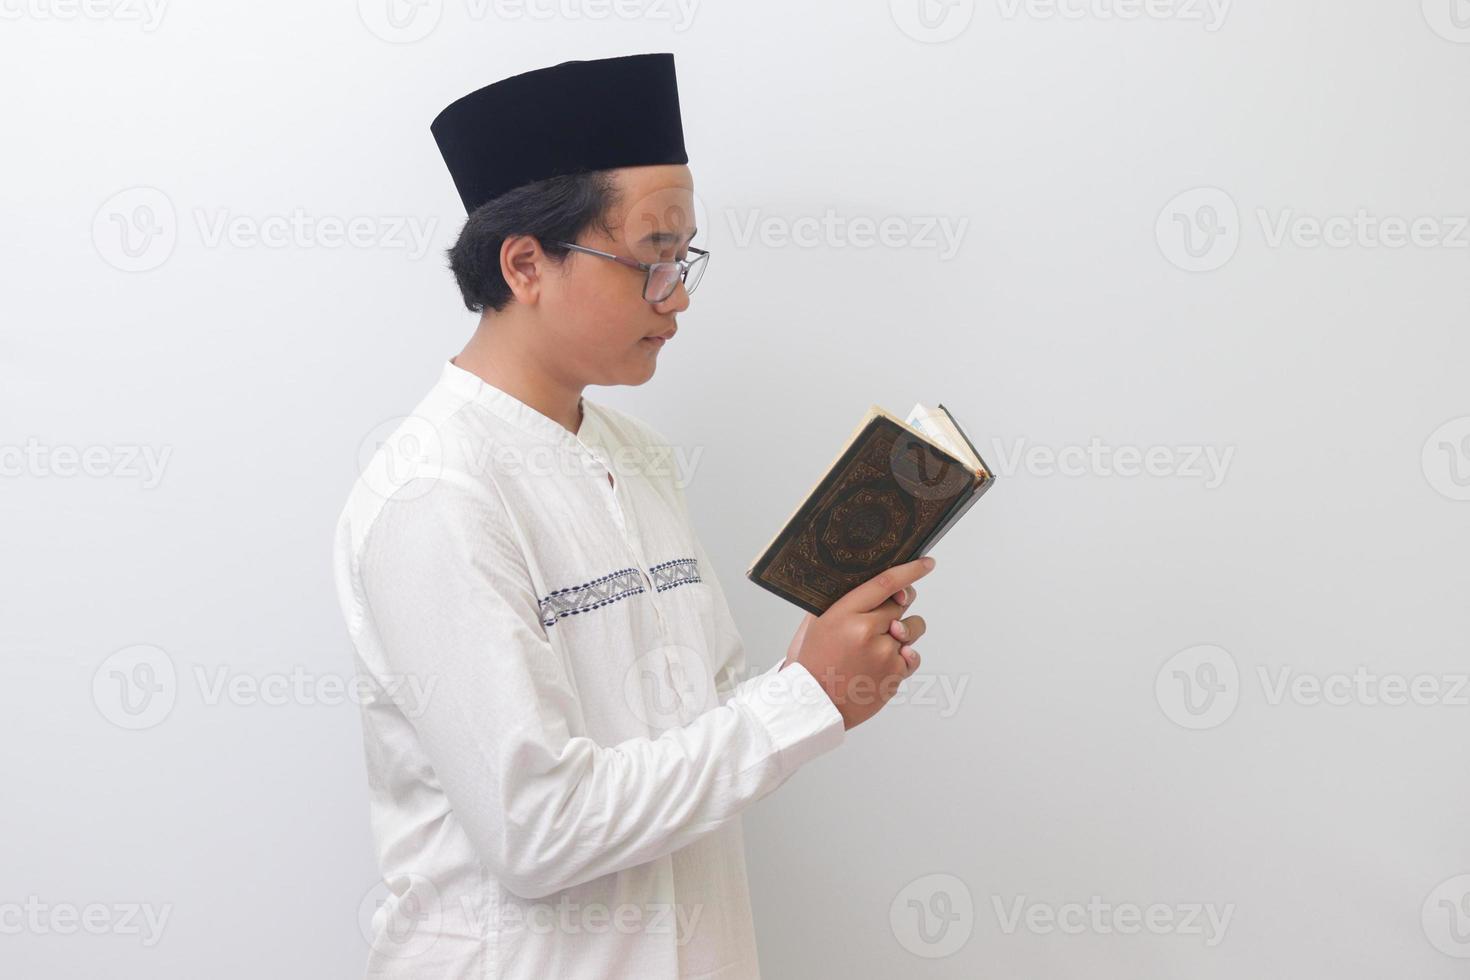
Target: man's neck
{"type": "Point", "coordinates": [499, 355]}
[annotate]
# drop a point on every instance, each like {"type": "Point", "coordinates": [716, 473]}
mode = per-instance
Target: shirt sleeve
{"type": "Point", "coordinates": [446, 588]}
{"type": "Point", "coordinates": [730, 676]}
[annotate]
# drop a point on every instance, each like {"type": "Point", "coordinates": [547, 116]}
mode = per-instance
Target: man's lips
{"type": "Point", "coordinates": [661, 337]}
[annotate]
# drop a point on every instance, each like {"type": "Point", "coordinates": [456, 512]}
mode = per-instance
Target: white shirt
{"type": "Point", "coordinates": [560, 735]}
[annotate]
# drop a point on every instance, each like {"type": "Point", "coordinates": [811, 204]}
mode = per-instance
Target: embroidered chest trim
{"type": "Point", "coordinates": [680, 571]}
{"type": "Point", "coordinates": [614, 586]}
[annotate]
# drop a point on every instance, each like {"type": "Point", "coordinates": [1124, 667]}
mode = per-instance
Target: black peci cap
{"type": "Point", "coordinates": [570, 118]}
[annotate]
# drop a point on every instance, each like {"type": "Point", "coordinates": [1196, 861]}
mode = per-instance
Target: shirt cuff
{"type": "Point", "coordinates": [796, 713]}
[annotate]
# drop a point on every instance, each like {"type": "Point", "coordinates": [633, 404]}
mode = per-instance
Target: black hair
{"type": "Point", "coordinates": [557, 208]}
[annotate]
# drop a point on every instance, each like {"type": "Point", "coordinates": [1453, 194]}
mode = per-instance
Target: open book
{"type": "Point", "coordinates": [890, 495]}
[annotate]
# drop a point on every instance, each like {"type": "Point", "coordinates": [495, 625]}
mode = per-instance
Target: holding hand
{"type": "Point", "coordinates": [861, 648]}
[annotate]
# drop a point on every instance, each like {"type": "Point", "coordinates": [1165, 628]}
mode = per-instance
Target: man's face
{"type": "Point", "coordinates": [594, 307]}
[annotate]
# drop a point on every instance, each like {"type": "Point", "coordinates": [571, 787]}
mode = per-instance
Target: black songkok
{"type": "Point", "coordinates": [570, 118]}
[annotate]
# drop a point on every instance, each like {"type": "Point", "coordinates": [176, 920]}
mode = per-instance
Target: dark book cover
{"type": "Point", "coordinates": [887, 499]}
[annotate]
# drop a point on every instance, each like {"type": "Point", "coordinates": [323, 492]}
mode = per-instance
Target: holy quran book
{"type": "Point", "coordinates": [895, 489]}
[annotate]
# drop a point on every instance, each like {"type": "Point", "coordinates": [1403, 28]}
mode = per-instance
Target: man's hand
{"type": "Point", "coordinates": [898, 629]}
{"type": "Point", "coordinates": [860, 649]}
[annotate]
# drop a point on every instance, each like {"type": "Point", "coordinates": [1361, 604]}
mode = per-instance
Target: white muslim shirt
{"type": "Point", "coordinates": [559, 729]}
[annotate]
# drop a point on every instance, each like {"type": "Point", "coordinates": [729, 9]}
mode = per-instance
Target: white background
{"type": "Point", "coordinates": [1088, 309]}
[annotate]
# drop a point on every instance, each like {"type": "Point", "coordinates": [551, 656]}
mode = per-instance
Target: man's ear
{"type": "Point", "coordinates": [523, 263]}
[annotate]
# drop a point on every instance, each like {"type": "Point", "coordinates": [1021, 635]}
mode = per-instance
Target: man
{"type": "Point", "coordinates": [560, 737]}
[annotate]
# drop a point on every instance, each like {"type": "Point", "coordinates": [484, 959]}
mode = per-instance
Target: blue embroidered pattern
{"type": "Point", "coordinates": [618, 585]}
{"type": "Point", "coordinates": [680, 571]}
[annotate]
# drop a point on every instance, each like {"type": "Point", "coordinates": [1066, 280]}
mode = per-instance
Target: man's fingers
{"type": "Point", "coordinates": [878, 589]}
{"type": "Point", "coordinates": [910, 657]}
{"type": "Point", "coordinates": [879, 618]}
{"type": "Point", "coordinates": [906, 595]}
{"type": "Point", "coordinates": [908, 629]}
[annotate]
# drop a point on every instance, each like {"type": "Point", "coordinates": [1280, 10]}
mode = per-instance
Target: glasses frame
{"type": "Point", "coordinates": [700, 255]}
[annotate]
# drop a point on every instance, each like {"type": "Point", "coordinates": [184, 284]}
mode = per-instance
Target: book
{"type": "Point", "coordinates": [895, 489]}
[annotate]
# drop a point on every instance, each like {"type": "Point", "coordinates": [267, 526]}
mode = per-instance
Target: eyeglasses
{"type": "Point", "coordinates": [662, 277]}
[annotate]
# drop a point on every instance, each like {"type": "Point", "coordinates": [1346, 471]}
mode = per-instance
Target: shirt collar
{"type": "Point", "coordinates": [510, 408]}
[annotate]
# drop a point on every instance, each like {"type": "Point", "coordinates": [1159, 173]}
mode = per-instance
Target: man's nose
{"type": "Point", "coordinates": [677, 301]}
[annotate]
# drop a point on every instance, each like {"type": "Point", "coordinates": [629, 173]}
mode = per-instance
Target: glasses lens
{"type": "Point", "coordinates": [662, 278]}
{"type": "Point", "coordinates": [696, 270]}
